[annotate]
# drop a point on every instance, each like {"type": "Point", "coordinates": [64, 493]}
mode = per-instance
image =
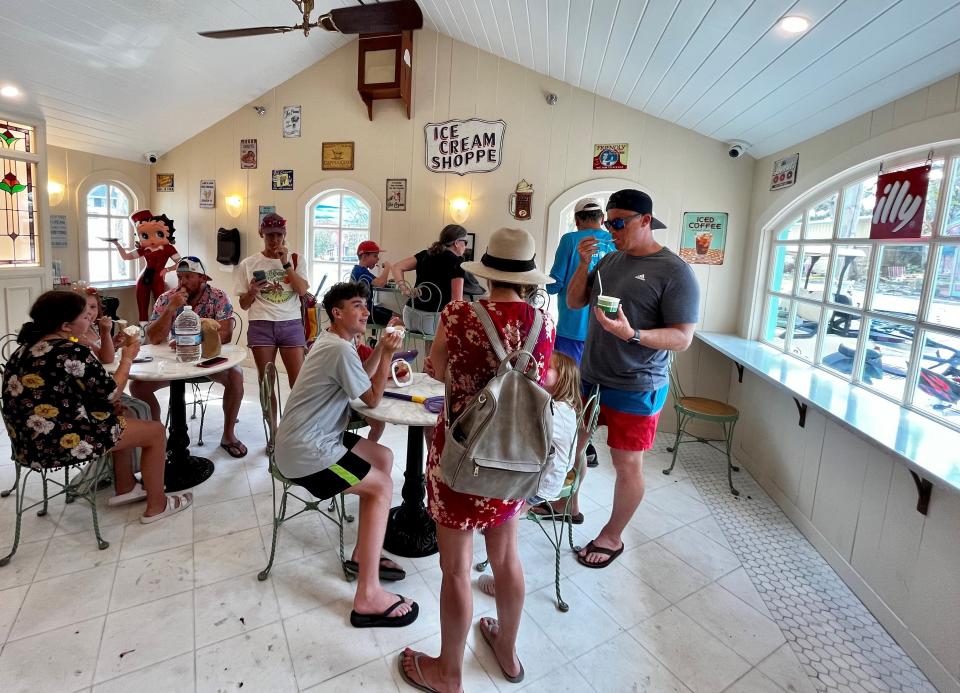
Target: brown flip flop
{"type": "Point", "coordinates": [593, 548]}
{"type": "Point", "coordinates": [485, 632]}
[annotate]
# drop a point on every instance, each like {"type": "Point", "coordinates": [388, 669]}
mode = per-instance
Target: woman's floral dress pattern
{"type": "Point", "coordinates": [57, 405]}
{"type": "Point", "coordinates": [472, 363]}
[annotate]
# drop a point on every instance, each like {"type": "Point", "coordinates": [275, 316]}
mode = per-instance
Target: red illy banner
{"type": "Point", "coordinates": [898, 211]}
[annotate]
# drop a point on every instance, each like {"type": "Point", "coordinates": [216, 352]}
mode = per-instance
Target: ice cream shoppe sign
{"type": "Point", "coordinates": [463, 146]}
{"type": "Point", "coordinates": [703, 237]}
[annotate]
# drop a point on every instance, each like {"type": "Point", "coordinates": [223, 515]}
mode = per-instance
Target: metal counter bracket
{"type": "Point", "coordinates": [924, 488]}
{"type": "Point", "coordinates": [739, 371]}
{"type": "Point", "coordinates": [802, 409]}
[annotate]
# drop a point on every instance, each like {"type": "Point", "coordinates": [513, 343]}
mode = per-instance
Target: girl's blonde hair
{"type": "Point", "coordinates": [567, 388]}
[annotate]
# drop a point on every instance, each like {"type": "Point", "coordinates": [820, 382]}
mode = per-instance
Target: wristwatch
{"type": "Point", "coordinates": [635, 339]}
{"type": "Point", "coordinates": [287, 265]}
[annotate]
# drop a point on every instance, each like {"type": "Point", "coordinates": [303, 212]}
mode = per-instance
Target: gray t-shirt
{"type": "Point", "coordinates": [309, 438]}
{"type": "Point", "coordinates": [655, 291]}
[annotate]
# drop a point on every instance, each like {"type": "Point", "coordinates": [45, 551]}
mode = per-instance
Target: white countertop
{"type": "Point", "coordinates": [929, 448]}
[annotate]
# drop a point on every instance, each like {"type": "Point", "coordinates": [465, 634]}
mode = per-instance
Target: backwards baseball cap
{"type": "Point", "coordinates": [192, 264]}
{"type": "Point", "coordinates": [635, 201]}
{"type": "Point", "coordinates": [588, 204]}
{"type": "Point", "coordinates": [368, 247]}
{"type": "Point", "coordinates": [273, 223]}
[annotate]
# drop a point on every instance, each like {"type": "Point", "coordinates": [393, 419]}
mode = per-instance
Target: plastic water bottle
{"type": "Point", "coordinates": [186, 332]}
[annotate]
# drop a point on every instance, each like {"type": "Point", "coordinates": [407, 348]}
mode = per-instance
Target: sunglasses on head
{"type": "Point", "coordinates": [618, 224]}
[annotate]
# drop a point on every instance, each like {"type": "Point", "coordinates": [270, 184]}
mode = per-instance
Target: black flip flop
{"type": "Point", "coordinates": [544, 510]}
{"type": "Point", "coordinates": [386, 572]}
{"type": "Point", "coordinates": [384, 620]}
{"type": "Point", "coordinates": [593, 548]}
{"type": "Point", "coordinates": [237, 449]}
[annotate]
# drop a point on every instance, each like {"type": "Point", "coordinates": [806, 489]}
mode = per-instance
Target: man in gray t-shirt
{"type": "Point", "coordinates": [314, 450]}
{"type": "Point", "coordinates": [626, 352]}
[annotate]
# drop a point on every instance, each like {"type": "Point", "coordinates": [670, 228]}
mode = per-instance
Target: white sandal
{"type": "Point", "coordinates": [134, 495]}
{"type": "Point", "coordinates": [175, 503]}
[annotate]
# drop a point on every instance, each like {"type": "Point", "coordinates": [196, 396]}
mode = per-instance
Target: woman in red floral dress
{"type": "Point", "coordinates": [463, 357]}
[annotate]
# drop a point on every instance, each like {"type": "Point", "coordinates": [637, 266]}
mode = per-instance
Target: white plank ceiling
{"type": "Point", "coordinates": [123, 77]}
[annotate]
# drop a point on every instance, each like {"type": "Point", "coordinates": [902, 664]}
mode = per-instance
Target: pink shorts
{"type": "Point", "coordinates": [625, 431]}
{"type": "Point", "coordinates": [270, 333]}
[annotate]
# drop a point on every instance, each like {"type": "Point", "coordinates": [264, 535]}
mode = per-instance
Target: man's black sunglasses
{"type": "Point", "coordinates": [618, 224]}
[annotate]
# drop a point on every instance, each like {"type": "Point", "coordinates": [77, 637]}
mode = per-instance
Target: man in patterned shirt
{"type": "Point", "coordinates": [207, 302]}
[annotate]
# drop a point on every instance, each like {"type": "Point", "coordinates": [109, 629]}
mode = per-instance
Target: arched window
{"type": "Point", "coordinates": [108, 207]}
{"type": "Point", "coordinates": [337, 220]}
{"type": "Point", "coordinates": [884, 314]}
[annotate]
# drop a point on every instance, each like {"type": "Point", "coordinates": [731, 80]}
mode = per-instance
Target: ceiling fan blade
{"type": "Point", "coordinates": [383, 17]}
{"type": "Point", "coordinates": [252, 31]}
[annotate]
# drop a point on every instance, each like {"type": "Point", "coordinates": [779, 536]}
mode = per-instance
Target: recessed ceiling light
{"type": "Point", "coordinates": [9, 91]}
{"type": "Point", "coordinates": [794, 25]}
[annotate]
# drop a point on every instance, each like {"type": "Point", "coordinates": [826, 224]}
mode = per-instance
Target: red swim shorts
{"type": "Point", "coordinates": [625, 431]}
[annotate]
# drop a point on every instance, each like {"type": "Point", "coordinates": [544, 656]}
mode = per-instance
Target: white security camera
{"type": "Point", "coordinates": [736, 149]}
{"type": "Point", "coordinates": [151, 157]}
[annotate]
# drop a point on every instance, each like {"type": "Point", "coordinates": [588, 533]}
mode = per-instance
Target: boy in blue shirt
{"type": "Point", "coordinates": [368, 255]}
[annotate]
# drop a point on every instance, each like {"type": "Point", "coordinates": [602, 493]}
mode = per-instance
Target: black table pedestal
{"type": "Point", "coordinates": [410, 530]}
{"type": "Point", "coordinates": [183, 470]}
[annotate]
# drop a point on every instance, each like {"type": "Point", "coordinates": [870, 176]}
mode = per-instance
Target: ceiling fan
{"type": "Point", "coordinates": [379, 18]}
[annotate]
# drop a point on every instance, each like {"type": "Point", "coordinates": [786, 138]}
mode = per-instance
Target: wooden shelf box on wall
{"type": "Point", "coordinates": [384, 68]}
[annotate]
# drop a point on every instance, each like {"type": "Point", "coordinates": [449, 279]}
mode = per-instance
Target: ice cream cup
{"type": "Point", "coordinates": [608, 304]}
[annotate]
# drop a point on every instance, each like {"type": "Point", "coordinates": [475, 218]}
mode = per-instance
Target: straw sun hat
{"type": "Point", "coordinates": [510, 257]}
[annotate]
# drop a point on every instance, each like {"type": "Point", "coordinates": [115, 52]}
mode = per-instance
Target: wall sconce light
{"type": "Point", "coordinates": [234, 204]}
{"type": "Point", "coordinates": [459, 209]}
{"type": "Point", "coordinates": [55, 192]}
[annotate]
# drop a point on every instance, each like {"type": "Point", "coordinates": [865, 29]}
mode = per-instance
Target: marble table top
{"type": "Point", "coordinates": [164, 366]}
{"type": "Point", "coordinates": [398, 411]}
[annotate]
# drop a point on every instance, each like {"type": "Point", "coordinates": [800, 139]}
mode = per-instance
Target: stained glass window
{"type": "Point", "coordinates": [18, 194]}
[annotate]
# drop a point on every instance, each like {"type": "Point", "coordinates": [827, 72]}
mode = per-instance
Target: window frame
{"type": "Point", "coordinates": [921, 324]}
{"type": "Point", "coordinates": [133, 266]}
{"type": "Point", "coordinates": [38, 159]}
{"type": "Point", "coordinates": [310, 200]}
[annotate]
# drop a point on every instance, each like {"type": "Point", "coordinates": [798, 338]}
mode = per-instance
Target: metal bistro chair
{"type": "Point", "coordinates": [421, 325]}
{"type": "Point", "coordinates": [200, 398]}
{"type": "Point", "coordinates": [268, 387]}
{"type": "Point", "coordinates": [83, 486]}
{"type": "Point", "coordinates": [701, 408]}
{"type": "Point", "coordinates": [8, 345]}
{"type": "Point", "coordinates": [587, 423]}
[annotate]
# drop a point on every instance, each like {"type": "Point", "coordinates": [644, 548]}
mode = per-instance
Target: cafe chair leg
{"type": "Point", "coordinates": [18, 506]}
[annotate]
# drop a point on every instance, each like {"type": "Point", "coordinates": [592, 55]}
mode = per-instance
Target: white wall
{"type": "Point", "coordinates": [549, 146]}
{"type": "Point", "coordinates": [855, 502]}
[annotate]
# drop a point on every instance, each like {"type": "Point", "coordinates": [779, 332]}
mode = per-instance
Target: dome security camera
{"type": "Point", "coordinates": [736, 149]}
{"type": "Point", "coordinates": [151, 157]}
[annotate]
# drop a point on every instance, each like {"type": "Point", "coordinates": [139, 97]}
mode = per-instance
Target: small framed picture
{"type": "Point", "coordinates": [291, 121]}
{"type": "Point", "coordinates": [337, 156]}
{"type": "Point", "coordinates": [471, 242]}
{"type": "Point", "coordinates": [282, 179]}
{"type": "Point", "coordinates": [164, 182]}
{"type": "Point", "coordinates": [396, 194]}
{"type": "Point", "coordinates": [208, 194]}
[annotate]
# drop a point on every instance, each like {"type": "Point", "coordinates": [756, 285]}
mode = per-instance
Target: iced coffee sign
{"type": "Point", "coordinates": [464, 146]}
{"type": "Point", "coordinates": [703, 238]}
{"type": "Point", "coordinates": [898, 210]}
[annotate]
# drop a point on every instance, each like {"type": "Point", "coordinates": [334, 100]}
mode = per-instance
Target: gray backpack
{"type": "Point", "coordinates": [502, 441]}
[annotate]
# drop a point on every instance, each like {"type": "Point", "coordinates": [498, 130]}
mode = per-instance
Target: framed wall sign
{"type": "Point", "coordinates": [337, 156]}
{"type": "Point", "coordinates": [264, 211]}
{"type": "Point", "coordinates": [785, 172]}
{"type": "Point", "coordinates": [208, 194]}
{"type": "Point", "coordinates": [248, 153]}
{"type": "Point", "coordinates": [609, 157]}
{"type": "Point", "coordinates": [463, 146]}
{"type": "Point", "coordinates": [282, 179]}
{"type": "Point", "coordinates": [164, 182]}
{"type": "Point", "coordinates": [703, 237]}
{"type": "Point", "coordinates": [291, 121]}
{"type": "Point", "coordinates": [396, 195]}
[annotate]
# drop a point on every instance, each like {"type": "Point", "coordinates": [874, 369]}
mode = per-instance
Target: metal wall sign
{"type": "Point", "coordinates": [463, 146]}
{"type": "Point", "coordinates": [784, 172]}
{"type": "Point", "coordinates": [898, 211]}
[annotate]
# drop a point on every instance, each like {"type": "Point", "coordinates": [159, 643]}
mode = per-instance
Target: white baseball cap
{"type": "Point", "coordinates": [588, 204]}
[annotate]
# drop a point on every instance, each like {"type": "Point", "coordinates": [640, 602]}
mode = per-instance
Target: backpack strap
{"type": "Point", "coordinates": [494, 336]}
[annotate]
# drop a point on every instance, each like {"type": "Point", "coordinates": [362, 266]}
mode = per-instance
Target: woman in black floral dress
{"type": "Point", "coordinates": [59, 404]}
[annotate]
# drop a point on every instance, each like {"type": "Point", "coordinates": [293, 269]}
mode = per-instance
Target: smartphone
{"type": "Point", "coordinates": [260, 275]}
{"type": "Point", "coordinates": [212, 362]}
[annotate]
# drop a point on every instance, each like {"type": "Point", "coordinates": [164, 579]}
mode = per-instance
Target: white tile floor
{"type": "Point", "coordinates": [176, 606]}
